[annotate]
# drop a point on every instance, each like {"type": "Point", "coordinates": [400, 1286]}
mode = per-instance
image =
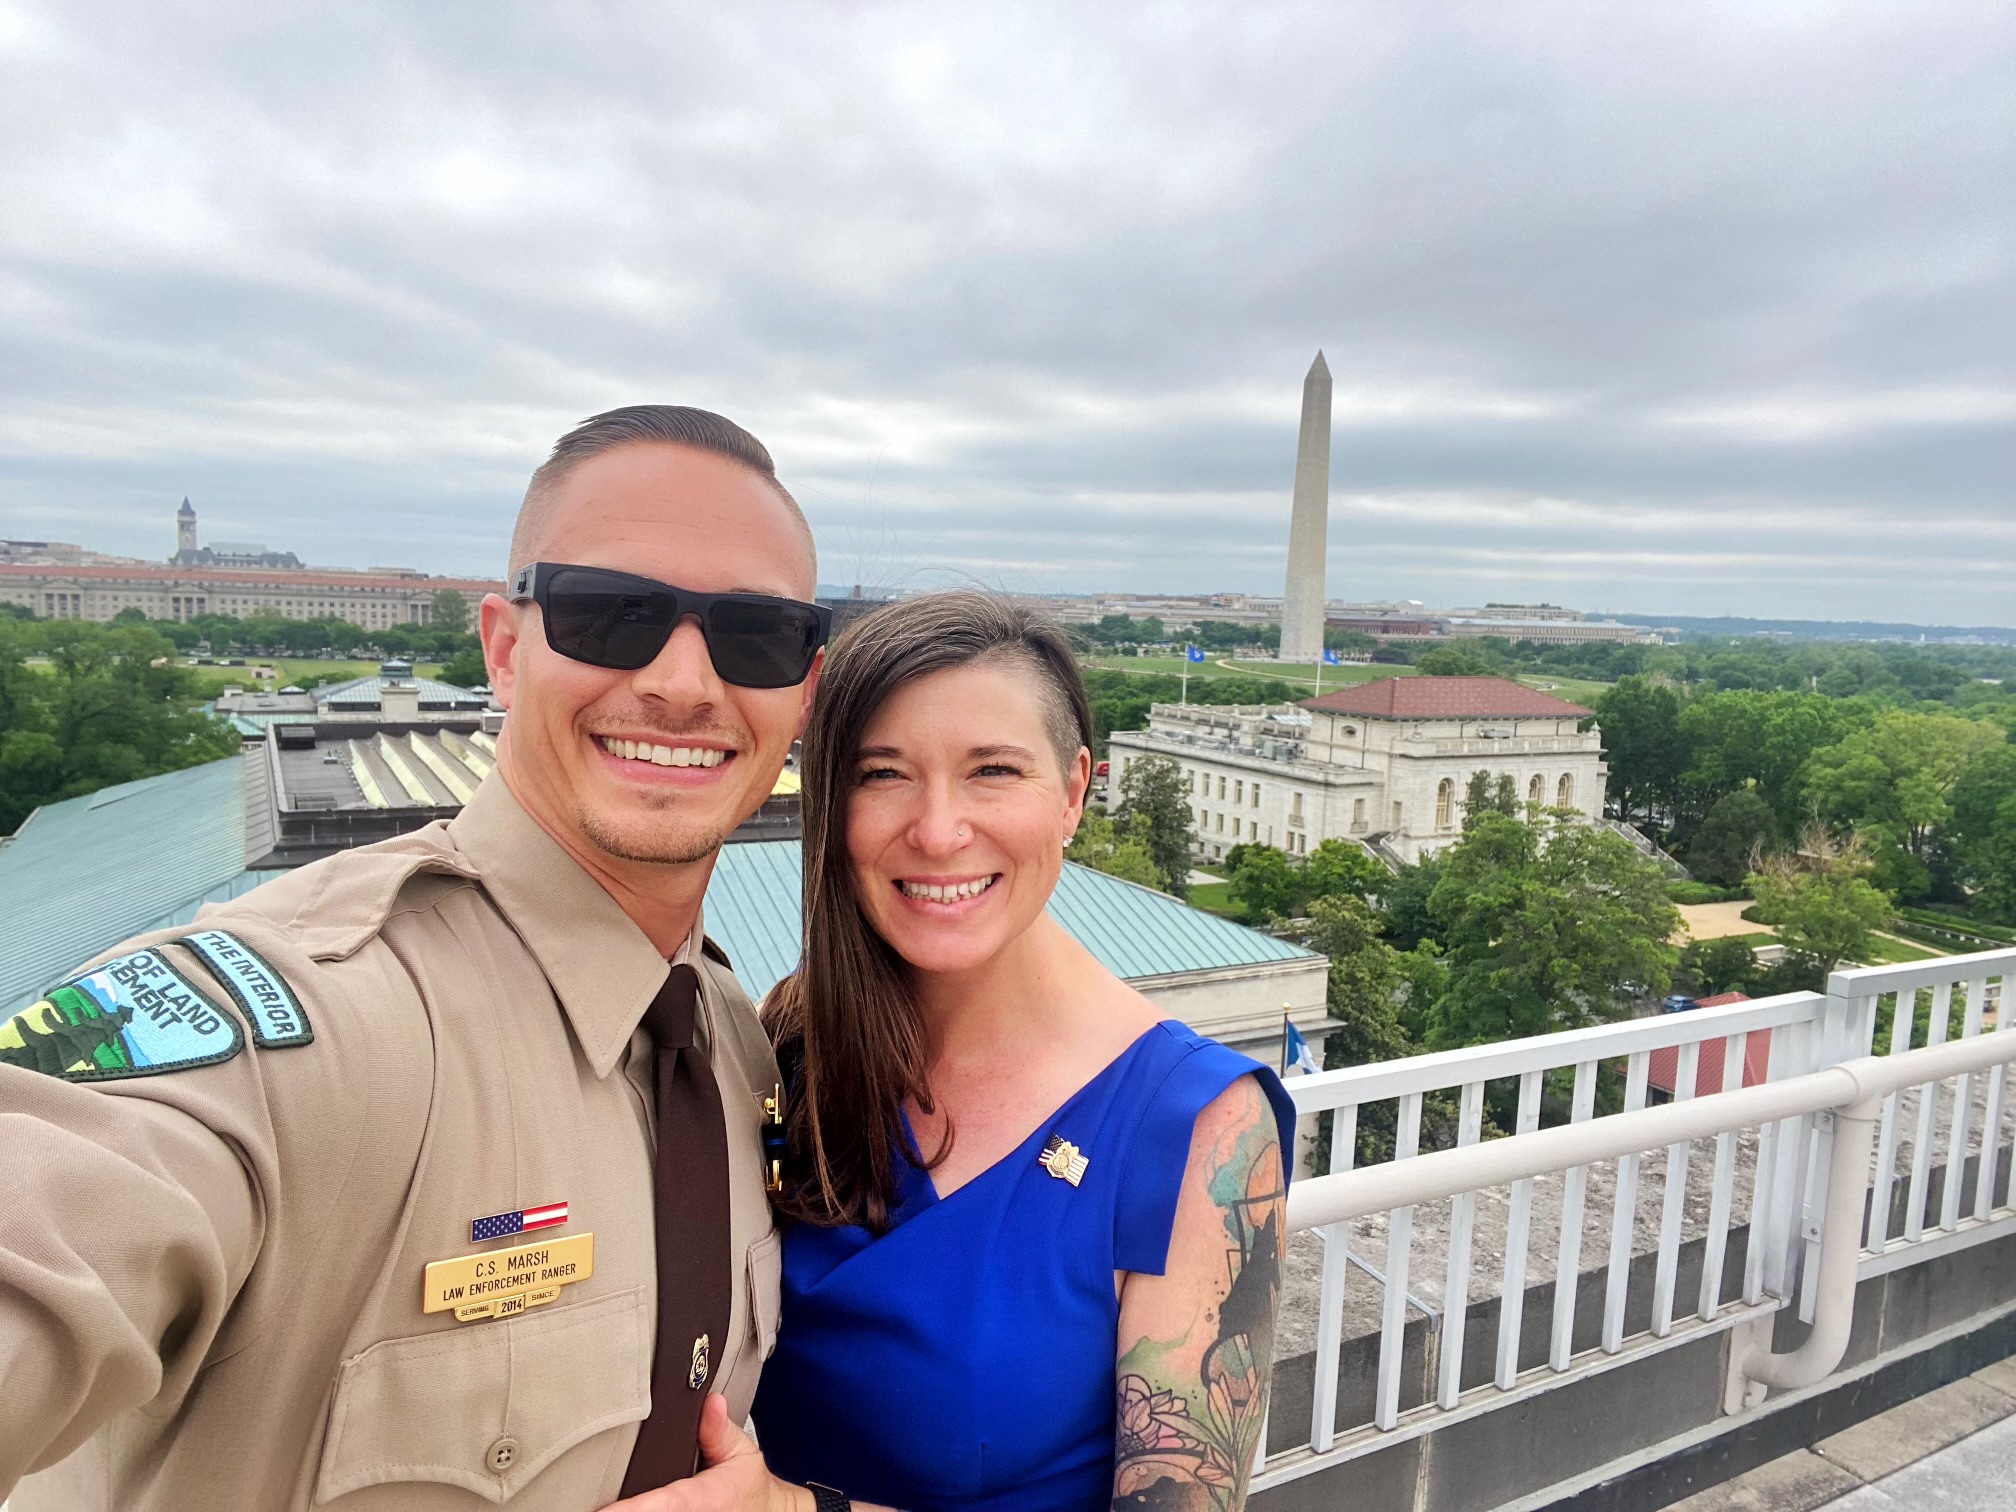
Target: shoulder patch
{"type": "Point", "coordinates": [133, 1016]}
{"type": "Point", "coordinates": [269, 1004]}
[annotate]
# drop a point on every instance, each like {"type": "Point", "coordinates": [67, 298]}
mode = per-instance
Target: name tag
{"type": "Point", "coordinates": [507, 1281]}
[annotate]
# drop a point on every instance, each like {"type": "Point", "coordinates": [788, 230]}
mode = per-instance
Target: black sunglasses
{"type": "Point", "coordinates": [617, 620]}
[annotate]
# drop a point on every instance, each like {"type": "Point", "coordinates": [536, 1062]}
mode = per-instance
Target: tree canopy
{"type": "Point", "coordinates": [1547, 925]}
{"type": "Point", "coordinates": [1099, 845]}
{"type": "Point", "coordinates": [1154, 812]}
{"type": "Point", "coordinates": [1821, 903]}
{"type": "Point", "coordinates": [83, 706]}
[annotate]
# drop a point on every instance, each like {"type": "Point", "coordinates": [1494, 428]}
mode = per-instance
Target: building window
{"type": "Point", "coordinates": [1397, 815]}
{"type": "Point", "coordinates": [1221, 787]}
{"type": "Point", "coordinates": [1295, 809]}
{"type": "Point", "coordinates": [1235, 829]}
{"type": "Point", "coordinates": [1256, 795]}
{"type": "Point", "coordinates": [1445, 803]}
{"type": "Point", "coordinates": [1221, 824]}
{"type": "Point", "coordinates": [1536, 790]}
{"type": "Point", "coordinates": [1270, 834]}
{"type": "Point", "coordinates": [1564, 791]}
{"type": "Point", "coordinates": [1238, 791]}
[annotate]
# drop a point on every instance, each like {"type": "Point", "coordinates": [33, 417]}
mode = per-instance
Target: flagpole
{"type": "Point", "coordinates": [1284, 1040]}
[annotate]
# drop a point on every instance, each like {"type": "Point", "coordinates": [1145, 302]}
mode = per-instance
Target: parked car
{"type": "Point", "coordinates": [1679, 1003]}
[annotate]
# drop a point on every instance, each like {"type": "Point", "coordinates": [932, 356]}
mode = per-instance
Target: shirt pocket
{"type": "Point", "coordinates": [489, 1405]}
{"type": "Point", "coordinates": [766, 1275]}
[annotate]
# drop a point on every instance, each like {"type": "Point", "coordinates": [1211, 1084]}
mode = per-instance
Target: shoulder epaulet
{"type": "Point", "coordinates": [262, 994]}
{"type": "Point", "coordinates": [134, 1015]}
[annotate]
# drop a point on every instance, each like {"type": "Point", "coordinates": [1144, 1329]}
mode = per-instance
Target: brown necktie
{"type": "Point", "coordinates": [695, 1277]}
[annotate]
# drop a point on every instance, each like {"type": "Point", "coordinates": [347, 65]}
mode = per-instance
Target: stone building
{"type": "Point", "coordinates": [53, 580]}
{"type": "Point", "coordinates": [374, 600]}
{"type": "Point", "coordinates": [1384, 764]}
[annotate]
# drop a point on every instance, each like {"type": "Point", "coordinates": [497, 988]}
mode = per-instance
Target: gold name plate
{"type": "Point", "coordinates": [503, 1282]}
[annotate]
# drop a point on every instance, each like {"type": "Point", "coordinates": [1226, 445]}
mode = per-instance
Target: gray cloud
{"type": "Point", "coordinates": [1705, 310]}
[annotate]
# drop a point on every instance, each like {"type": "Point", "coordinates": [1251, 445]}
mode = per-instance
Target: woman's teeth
{"type": "Point", "coordinates": [933, 893]}
{"type": "Point", "coordinates": [658, 755]}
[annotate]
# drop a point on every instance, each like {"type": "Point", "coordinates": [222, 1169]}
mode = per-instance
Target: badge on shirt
{"type": "Point", "coordinates": [1064, 1160]}
{"type": "Point", "coordinates": [498, 1283]}
{"type": "Point", "coordinates": [133, 1016]}
{"type": "Point", "coordinates": [261, 993]}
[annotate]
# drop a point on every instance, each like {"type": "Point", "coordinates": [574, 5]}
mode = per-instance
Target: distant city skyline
{"type": "Point", "coordinates": [1709, 311]}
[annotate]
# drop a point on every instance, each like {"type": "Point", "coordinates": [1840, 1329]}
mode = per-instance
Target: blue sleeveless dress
{"type": "Point", "coordinates": [965, 1359]}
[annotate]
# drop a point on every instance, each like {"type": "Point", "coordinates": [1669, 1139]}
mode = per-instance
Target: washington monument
{"type": "Point", "coordinates": [1309, 529]}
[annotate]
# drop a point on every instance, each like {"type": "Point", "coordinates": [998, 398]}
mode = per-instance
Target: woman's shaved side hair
{"type": "Point", "coordinates": [655, 424]}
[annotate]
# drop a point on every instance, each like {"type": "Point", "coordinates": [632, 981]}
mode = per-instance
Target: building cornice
{"type": "Point", "coordinates": [1304, 771]}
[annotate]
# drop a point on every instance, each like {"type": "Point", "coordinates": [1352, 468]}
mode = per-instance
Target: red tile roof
{"type": "Point", "coordinates": [1664, 1071]}
{"type": "Point", "coordinates": [1445, 698]}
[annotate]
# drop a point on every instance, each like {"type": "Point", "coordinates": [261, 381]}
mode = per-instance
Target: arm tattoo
{"type": "Point", "coordinates": [1192, 1409]}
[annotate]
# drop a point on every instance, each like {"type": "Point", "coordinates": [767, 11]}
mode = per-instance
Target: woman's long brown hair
{"type": "Point", "coordinates": [848, 1020]}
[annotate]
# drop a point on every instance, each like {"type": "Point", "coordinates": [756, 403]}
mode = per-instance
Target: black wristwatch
{"type": "Point", "coordinates": [826, 1499]}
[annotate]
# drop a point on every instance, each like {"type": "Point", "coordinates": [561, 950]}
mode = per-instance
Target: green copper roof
{"type": "Point", "coordinates": [753, 912]}
{"type": "Point", "coordinates": [82, 875]}
{"type": "Point", "coordinates": [86, 873]}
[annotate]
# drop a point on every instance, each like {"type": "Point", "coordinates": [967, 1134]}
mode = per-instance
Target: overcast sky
{"type": "Point", "coordinates": [1687, 308]}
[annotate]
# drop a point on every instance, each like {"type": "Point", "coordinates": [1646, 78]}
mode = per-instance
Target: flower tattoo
{"type": "Point", "coordinates": [1188, 1423]}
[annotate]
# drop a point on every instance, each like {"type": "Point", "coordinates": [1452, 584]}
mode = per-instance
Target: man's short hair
{"type": "Point", "coordinates": [654, 424]}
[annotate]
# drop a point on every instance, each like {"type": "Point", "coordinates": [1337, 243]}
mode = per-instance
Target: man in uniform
{"type": "Point", "coordinates": [433, 1170]}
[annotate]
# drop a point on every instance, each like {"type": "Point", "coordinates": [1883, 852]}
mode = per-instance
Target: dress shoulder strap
{"type": "Point", "coordinates": [1185, 1078]}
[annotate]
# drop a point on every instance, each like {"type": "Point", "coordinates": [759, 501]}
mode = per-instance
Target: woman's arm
{"type": "Point", "coordinates": [1196, 1343]}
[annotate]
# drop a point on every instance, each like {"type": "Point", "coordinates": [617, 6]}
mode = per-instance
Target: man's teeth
{"type": "Point", "coordinates": [658, 755]}
{"type": "Point", "coordinates": [952, 893]}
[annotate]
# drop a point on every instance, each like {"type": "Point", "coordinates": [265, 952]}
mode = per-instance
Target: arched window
{"type": "Point", "coordinates": [1445, 803]}
{"type": "Point", "coordinates": [1564, 791]}
{"type": "Point", "coordinates": [1536, 790]}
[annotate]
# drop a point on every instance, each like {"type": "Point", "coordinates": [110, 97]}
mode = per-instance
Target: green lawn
{"type": "Point", "coordinates": [1347, 676]}
{"type": "Point", "coordinates": [1216, 897]}
{"type": "Point", "coordinates": [1575, 689]}
{"type": "Point", "coordinates": [1886, 950]}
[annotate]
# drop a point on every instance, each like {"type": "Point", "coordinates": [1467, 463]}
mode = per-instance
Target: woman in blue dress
{"type": "Point", "coordinates": [1034, 1226]}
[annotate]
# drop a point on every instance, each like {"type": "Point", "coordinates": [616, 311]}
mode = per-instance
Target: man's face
{"type": "Point", "coordinates": [688, 518]}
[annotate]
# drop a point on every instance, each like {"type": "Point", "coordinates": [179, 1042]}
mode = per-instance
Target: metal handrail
{"type": "Point", "coordinates": [1383, 1080]}
{"type": "Point", "coordinates": [1851, 1091]}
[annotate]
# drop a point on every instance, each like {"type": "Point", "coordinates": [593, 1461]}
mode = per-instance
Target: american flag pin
{"type": "Point", "coordinates": [502, 1225]}
{"type": "Point", "coordinates": [1064, 1160]}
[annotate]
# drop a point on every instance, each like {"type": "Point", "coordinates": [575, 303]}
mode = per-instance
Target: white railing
{"type": "Point", "coordinates": [1924, 1125]}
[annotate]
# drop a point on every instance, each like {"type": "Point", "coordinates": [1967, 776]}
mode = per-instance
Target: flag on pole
{"type": "Point", "coordinates": [1331, 658]}
{"type": "Point", "coordinates": [1298, 1052]}
{"type": "Point", "coordinates": [1193, 653]}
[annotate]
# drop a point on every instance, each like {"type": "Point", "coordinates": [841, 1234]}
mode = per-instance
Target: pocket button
{"type": "Point", "coordinates": [503, 1455]}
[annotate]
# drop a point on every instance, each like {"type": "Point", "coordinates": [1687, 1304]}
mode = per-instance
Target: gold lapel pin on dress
{"type": "Point", "coordinates": [1064, 1160]}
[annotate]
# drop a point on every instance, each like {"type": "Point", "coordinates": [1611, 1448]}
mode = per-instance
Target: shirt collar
{"type": "Point", "coordinates": [600, 964]}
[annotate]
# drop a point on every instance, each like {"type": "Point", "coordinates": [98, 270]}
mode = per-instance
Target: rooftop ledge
{"type": "Point", "coordinates": [1507, 1322]}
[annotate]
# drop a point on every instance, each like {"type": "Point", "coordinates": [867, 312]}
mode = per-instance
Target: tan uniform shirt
{"type": "Point", "coordinates": [211, 1278]}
